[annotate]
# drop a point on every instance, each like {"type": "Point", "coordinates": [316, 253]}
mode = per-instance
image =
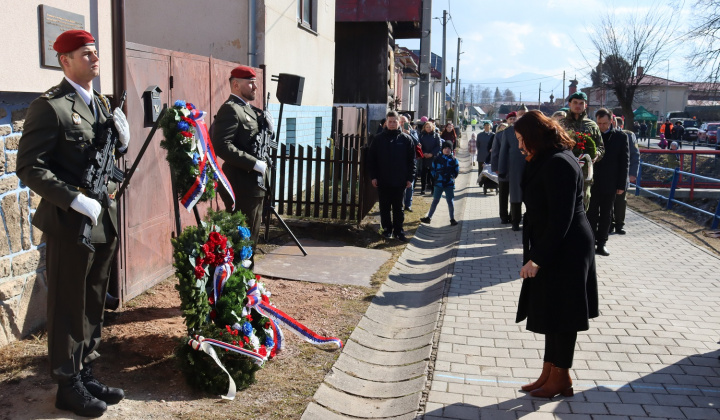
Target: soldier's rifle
{"type": "Point", "coordinates": [100, 170]}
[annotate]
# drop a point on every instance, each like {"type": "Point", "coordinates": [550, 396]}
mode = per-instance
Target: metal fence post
{"type": "Point", "coordinates": [638, 177]}
{"type": "Point", "coordinates": [716, 219]}
{"type": "Point", "coordinates": [671, 197]}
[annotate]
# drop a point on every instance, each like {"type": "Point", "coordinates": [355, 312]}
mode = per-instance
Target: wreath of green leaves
{"type": "Point", "coordinates": [201, 318]}
{"type": "Point", "coordinates": [181, 154]}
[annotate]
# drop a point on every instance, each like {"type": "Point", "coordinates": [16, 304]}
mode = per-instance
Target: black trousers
{"type": "Point", "coordinates": [504, 192]}
{"type": "Point", "coordinates": [560, 349]}
{"type": "Point", "coordinates": [391, 200]}
{"type": "Point", "coordinates": [426, 177]}
{"type": "Point", "coordinates": [515, 213]}
{"type": "Point", "coordinates": [77, 284]}
{"type": "Point", "coordinates": [619, 210]}
{"type": "Point", "coordinates": [598, 214]}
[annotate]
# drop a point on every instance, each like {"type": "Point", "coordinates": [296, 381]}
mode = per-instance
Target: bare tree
{"type": "Point", "coordinates": [626, 44]}
{"type": "Point", "coordinates": [705, 36]}
{"type": "Point", "coordinates": [508, 95]}
{"type": "Point", "coordinates": [486, 96]}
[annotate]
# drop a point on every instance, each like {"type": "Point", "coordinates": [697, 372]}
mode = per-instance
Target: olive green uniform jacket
{"type": "Point", "coordinates": [234, 139]}
{"type": "Point", "coordinates": [52, 156]}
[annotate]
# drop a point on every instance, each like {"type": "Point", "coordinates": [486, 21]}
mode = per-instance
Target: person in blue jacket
{"type": "Point", "coordinates": [445, 168]}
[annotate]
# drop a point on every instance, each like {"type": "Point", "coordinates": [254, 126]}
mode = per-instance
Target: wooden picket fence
{"type": "Point", "coordinates": [322, 182]}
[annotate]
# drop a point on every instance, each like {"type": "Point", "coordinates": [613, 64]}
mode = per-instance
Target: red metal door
{"type": "Point", "coordinates": [147, 211]}
{"type": "Point", "coordinates": [147, 208]}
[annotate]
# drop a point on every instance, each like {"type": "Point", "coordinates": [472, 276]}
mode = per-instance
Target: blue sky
{"type": "Point", "coordinates": [543, 37]}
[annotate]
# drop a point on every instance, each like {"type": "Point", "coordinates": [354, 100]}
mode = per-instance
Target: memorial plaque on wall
{"type": "Point", "coordinates": [53, 22]}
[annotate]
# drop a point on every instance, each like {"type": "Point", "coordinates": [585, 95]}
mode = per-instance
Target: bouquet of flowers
{"type": "Point", "coordinates": [585, 151]}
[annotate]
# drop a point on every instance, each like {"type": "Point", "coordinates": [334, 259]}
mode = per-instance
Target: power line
{"type": "Point", "coordinates": [453, 25]}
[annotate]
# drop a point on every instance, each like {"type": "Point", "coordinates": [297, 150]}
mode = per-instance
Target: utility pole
{"type": "Point", "coordinates": [443, 119]}
{"type": "Point", "coordinates": [425, 55]}
{"type": "Point", "coordinates": [457, 84]}
{"type": "Point", "coordinates": [539, 90]}
{"type": "Point", "coordinates": [563, 88]}
{"type": "Point", "coordinates": [452, 84]}
{"type": "Point", "coordinates": [602, 89]}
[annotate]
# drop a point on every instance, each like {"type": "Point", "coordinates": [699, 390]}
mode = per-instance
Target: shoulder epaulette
{"type": "Point", "coordinates": [51, 93]}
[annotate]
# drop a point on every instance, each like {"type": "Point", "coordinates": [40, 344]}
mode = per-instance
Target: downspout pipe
{"type": "Point", "coordinates": [118, 46]}
{"type": "Point", "coordinates": [252, 40]}
{"type": "Point", "coordinates": [117, 276]}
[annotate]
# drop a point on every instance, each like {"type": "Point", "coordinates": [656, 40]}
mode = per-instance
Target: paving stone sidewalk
{"type": "Point", "coordinates": [383, 370]}
{"type": "Point", "coordinates": [653, 352]}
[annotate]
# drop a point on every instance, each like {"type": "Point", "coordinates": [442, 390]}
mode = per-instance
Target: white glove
{"type": "Point", "coordinates": [122, 126]}
{"type": "Point", "coordinates": [87, 206]}
{"type": "Point", "coordinates": [260, 166]}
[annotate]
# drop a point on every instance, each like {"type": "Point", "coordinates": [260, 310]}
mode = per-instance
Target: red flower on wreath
{"type": "Point", "coordinates": [186, 134]}
{"type": "Point", "coordinates": [199, 271]}
{"type": "Point", "coordinates": [188, 120]}
{"type": "Point", "coordinates": [262, 351]}
{"type": "Point", "coordinates": [246, 339]}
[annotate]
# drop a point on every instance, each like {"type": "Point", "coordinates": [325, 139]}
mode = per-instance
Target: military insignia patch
{"type": "Point", "coordinates": [76, 118]}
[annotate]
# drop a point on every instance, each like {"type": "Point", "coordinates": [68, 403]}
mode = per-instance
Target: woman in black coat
{"type": "Point", "coordinates": [559, 290]}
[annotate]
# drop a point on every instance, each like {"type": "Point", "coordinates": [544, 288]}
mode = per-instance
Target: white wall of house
{"type": "Point", "coordinates": [21, 67]}
{"type": "Point", "coordinates": [285, 46]}
{"type": "Point", "coordinates": [657, 99]}
{"type": "Point", "coordinates": [189, 26]}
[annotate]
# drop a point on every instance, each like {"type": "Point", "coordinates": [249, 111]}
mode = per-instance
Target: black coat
{"type": "Point", "coordinates": [612, 171]}
{"type": "Point", "coordinates": [563, 296]}
{"type": "Point", "coordinates": [392, 159]}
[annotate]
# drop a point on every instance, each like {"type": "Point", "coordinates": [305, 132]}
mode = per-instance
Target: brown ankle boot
{"type": "Point", "coordinates": [558, 383]}
{"type": "Point", "coordinates": [541, 380]}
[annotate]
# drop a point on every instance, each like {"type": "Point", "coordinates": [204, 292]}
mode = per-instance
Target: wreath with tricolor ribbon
{"type": "Point", "coordinates": [191, 156]}
{"type": "Point", "coordinates": [227, 308]}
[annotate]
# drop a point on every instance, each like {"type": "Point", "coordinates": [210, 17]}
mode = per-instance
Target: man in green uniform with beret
{"type": "Point", "coordinates": [237, 140]}
{"type": "Point", "coordinates": [53, 153]}
{"type": "Point", "coordinates": [577, 120]}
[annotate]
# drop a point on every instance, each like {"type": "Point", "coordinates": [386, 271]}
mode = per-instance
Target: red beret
{"type": "Point", "coordinates": [69, 41]}
{"type": "Point", "coordinates": [243, 72]}
{"type": "Point", "coordinates": [510, 115]}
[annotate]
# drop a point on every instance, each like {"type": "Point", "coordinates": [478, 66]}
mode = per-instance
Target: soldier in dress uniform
{"type": "Point", "coordinates": [238, 140]}
{"type": "Point", "coordinates": [52, 156]}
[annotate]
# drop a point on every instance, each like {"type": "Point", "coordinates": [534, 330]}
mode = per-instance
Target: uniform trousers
{"type": "Point", "coordinates": [252, 208]}
{"type": "Point", "coordinates": [391, 201]}
{"type": "Point", "coordinates": [619, 210]}
{"type": "Point", "coordinates": [504, 193]}
{"type": "Point", "coordinates": [560, 349]}
{"type": "Point", "coordinates": [598, 214]}
{"type": "Point", "coordinates": [77, 284]}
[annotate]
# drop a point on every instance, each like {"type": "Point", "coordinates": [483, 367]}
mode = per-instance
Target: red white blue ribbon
{"type": "Point", "coordinates": [207, 156]}
{"type": "Point", "coordinates": [221, 275]}
{"type": "Point", "coordinates": [205, 345]}
{"type": "Point", "coordinates": [261, 303]}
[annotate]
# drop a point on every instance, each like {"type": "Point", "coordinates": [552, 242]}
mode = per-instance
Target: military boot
{"type": "Point", "coordinates": [98, 389]}
{"type": "Point", "coordinates": [73, 396]}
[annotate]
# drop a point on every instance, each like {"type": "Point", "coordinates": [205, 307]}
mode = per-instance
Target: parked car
{"type": "Point", "coordinates": [708, 132]}
{"type": "Point", "coordinates": [691, 127]}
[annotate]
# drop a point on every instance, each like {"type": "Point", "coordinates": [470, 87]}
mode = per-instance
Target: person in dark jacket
{"type": "Point", "coordinates": [391, 165]}
{"type": "Point", "coordinates": [431, 147]}
{"type": "Point", "coordinates": [620, 206]}
{"type": "Point", "coordinates": [511, 165]}
{"type": "Point", "coordinates": [610, 178]}
{"type": "Point", "coordinates": [449, 134]}
{"type": "Point", "coordinates": [483, 143]}
{"type": "Point", "coordinates": [445, 168]}
{"type": "Point", "coordinates": [408, 129]}
{"type": "Point", "coordinates": [503, 182]}
{"type": "Point", "coordinates": [678, 133]}
{"type": "Point", "coordinates": [559, 290]}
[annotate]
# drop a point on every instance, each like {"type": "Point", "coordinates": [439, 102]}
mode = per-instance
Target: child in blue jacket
{"type": "Point", "coordinates": [445, 168]}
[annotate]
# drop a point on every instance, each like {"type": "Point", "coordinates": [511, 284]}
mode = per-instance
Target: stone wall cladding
{"type": "Point", "coordinates": [23, 286]}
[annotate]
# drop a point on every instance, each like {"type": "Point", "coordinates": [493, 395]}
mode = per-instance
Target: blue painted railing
{"type": "Point", "coordinates": [671, 198]}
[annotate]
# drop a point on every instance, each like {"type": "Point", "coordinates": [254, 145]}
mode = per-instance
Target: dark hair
{"type": "Point", "coordinates": [603, 113]}
{"type": "Point", "coordinates": [541, 133]}
{"type": "Point", "coordinates": [392, 114]}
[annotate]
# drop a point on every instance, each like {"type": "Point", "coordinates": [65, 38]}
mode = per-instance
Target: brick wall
{"type": "Point", "coordinates": [23, 289]}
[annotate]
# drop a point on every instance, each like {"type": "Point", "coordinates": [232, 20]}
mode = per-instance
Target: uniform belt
{"type": "Point", "coordinates": [85, 191]}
